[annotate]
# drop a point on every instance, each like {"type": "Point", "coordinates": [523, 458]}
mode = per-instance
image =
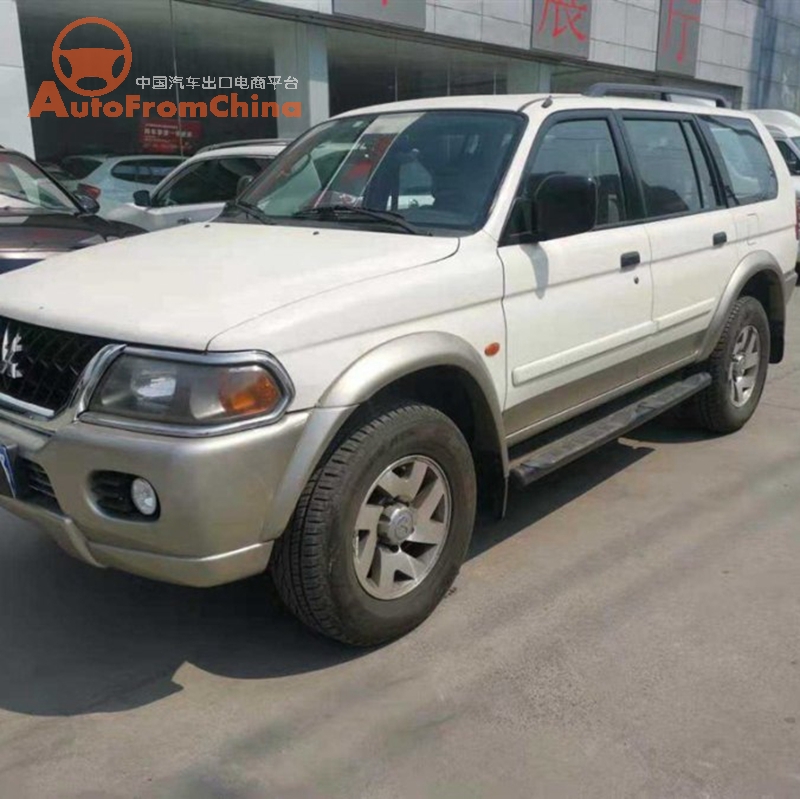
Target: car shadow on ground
{"type": "Point", "coordinates": [77, 640]}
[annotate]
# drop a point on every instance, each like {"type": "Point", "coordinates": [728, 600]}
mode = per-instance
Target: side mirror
{"type": "Point", "coordinates": [564, 205]}
{"type": "Point", "coordinates": [244, 182]}
{"type": "Point", "coordinates": [142, 198]}
{"type": "Point", "coordinates": [88, 205]}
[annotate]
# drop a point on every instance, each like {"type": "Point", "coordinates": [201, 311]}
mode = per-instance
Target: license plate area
{"type": "Point", "coordinates": [8, 477]}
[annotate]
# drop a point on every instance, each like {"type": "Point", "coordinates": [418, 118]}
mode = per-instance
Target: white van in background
{"type": "Point", "coordinates": [784, 127]}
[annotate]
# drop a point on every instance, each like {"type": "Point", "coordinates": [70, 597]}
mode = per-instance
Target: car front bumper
{"type": "Point", "coordinates": [215, 496]}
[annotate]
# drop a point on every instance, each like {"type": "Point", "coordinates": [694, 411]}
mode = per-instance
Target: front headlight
{"type": "Point", "coordinates": [189, 391]}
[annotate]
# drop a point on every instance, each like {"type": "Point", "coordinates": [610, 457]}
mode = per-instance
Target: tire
{"type": "Point", "coordinates": [322, 566]}
{"type": "Point", "coordinates": [717, 408]}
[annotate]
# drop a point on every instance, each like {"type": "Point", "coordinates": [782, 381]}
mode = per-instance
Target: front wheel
{"type": "Point", "coordinates": [382, 528]}
{"type": "Point", "coordinates": [738, 368]}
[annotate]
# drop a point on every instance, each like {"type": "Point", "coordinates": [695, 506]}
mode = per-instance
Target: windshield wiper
{"type": "Point", "coordinates": [251, 210]}
{"type": "Point", "coordinates": [336, 211]}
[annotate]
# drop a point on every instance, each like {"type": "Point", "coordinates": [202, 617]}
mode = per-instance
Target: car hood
{"type": "Point", "coordinates": [52, 232]}
{"type": "Point", "coordinates": [26, 238]}
{"type": "Point", "coordinates": [182, 287]}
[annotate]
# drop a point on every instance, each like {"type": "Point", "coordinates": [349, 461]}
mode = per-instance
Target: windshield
{"type": "Point", "coordinates": [24, 188]}
{"type": "Point", "coordinates": [437, 170]}
{"type": "Point", "coordinates": [796, 141]}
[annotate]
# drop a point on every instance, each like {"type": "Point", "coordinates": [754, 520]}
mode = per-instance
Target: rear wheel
{"type": "Point", "coordinates": [738, 368]}
{"type": "Point", "coordinates": [382, 528]}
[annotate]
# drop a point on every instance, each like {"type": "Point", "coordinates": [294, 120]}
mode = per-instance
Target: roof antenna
{"type": "Point", "coordinates": [548, 102]}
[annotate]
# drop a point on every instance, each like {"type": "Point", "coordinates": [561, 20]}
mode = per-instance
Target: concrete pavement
{"type": "Point", "coordinates": [632, 629]}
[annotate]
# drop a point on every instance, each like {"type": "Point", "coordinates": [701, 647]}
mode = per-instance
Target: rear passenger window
{"type": "Point", "coordinates": [583, 147]}
{"type": "Point", "coordinates": [708, 191]}
{"type": "Point", "coordinates": [666, 168]}
{"type": "Point", "coordinates": [752, 177]}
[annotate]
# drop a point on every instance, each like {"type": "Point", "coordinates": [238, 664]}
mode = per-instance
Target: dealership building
{"type": "Point", "coordinates": [301, 61]}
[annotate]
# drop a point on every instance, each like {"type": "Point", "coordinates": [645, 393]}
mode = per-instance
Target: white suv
{"type": "Point", "coordinates": [112, 180]}
{"type": "Point", "coordinates": [323, 384]}
{"type": "Point", "coordinates": [199, 188]}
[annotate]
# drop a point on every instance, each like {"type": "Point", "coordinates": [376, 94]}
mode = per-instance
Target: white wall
{"type": "Point", "coordinates": [15, 127]}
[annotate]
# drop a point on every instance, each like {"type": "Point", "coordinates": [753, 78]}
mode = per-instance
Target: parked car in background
{"type": "Point", "coordinates": [112, 180]}
{"type": "Point", "coordinates": [328, 379]}
{"type": "Point", "coordinates": [198, 189]}
{"type": "Point", "coordinates": [784, 127]}
{"type": "Point", "coordinates": [39, 218]}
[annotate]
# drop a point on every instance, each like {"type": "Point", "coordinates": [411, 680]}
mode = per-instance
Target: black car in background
{"type": "Point", "coordinates": [39, 218]}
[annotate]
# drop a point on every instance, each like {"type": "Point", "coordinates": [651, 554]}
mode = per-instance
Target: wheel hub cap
{"type": "Point", "coordinates": [396, 525]}
{"type": "Point", "coordinates": [401, 527]}
{"type": "Point", "coordinates": [745, 363]}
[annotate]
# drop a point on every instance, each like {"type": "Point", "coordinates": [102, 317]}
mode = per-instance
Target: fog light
{"type": "Point", "coordinates": [144, 497]}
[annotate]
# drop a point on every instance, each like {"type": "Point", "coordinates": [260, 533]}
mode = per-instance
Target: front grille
{"type": "Point", "coordinates": [35, 485]}
{"type": "Point", "coordinates": [41, 366]}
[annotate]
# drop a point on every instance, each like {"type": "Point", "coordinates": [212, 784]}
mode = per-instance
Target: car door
{"type": "Point", "coordinates": [198, 192]}
{"type": "Point", "coordinates": [748, 174]}
{"type": "Point", "coordinates": [692, 233]}
{"type": "Point", "coordinates": [577, 308]}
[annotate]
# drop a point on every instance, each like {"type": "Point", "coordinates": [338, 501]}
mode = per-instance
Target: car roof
{"type": "Point", "coordinates": [520, 102]}
{"type": "Point", "coordinates": [103, 157]}
{"type": "Point", "coordinates": [779, 121]}
{"type": "Point", "coordinates": [254, 150]}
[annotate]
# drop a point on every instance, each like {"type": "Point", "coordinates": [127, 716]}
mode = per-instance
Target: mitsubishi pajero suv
{"type": "Point", "coordinates": [371, 340]}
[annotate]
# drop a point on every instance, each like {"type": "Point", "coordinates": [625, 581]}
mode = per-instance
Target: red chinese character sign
{"type": "Point", "coordinates": [562, 26]}
{"type": "Point", "coordinates": [678, 36]}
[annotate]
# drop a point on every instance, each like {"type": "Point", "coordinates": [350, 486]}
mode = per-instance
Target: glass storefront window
{"type": "Point", "coordinates": [187, 55]}
{"type": "Point", "coordinates": [365, 69]}
{"type": "Point", "coordinates": [180, 51]}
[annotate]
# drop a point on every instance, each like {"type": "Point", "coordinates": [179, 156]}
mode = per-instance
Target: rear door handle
{"type": "Point", "coordinates": [720, 239]}
{"type": "Point", "coordinates": [184, 221]}
{"type": "Point", "coordinates": [629, 259]}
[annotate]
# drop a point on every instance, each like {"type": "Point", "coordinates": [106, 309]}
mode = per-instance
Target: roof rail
{"type": "Point", "coordinates": [662, 92]}
{"type": "Point", "coordinates": [242, 143]}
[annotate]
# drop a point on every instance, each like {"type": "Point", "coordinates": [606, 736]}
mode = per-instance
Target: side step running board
{"type": "Point", "coordinates": [534, 465]}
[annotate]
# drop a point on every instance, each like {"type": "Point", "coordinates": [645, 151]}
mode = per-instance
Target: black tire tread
{"type": "Point", "coordinates": [298, 563]}
{"type": "Point", "coordinates": [707, 409]}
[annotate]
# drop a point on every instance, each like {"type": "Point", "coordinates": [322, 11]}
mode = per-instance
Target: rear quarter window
{"type": "Point", "coordinates": [79, 167]}
{"type": "Point", "coordinates": [127, 171]}
{"type": "Point", "coordinates": [750, 176]}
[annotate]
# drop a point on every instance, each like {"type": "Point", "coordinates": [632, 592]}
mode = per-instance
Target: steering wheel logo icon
{"type": "Point", "coordinates": [92, 62]}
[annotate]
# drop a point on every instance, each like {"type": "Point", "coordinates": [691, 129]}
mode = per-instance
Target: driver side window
{"type": "Point", "coordinates": [792, 161]}
{"type": "Point", "coordinates": [583, 147]}
{"type": "Point", "coordinates": [212, 181]}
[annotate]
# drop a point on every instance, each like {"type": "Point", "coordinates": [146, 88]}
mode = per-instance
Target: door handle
{"type": "Point", "coordinates": [184, 221]}
{"type": "Point", "coordinates": [720, 239]}
{"type": "Point", "coordinates": [629, 259]}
